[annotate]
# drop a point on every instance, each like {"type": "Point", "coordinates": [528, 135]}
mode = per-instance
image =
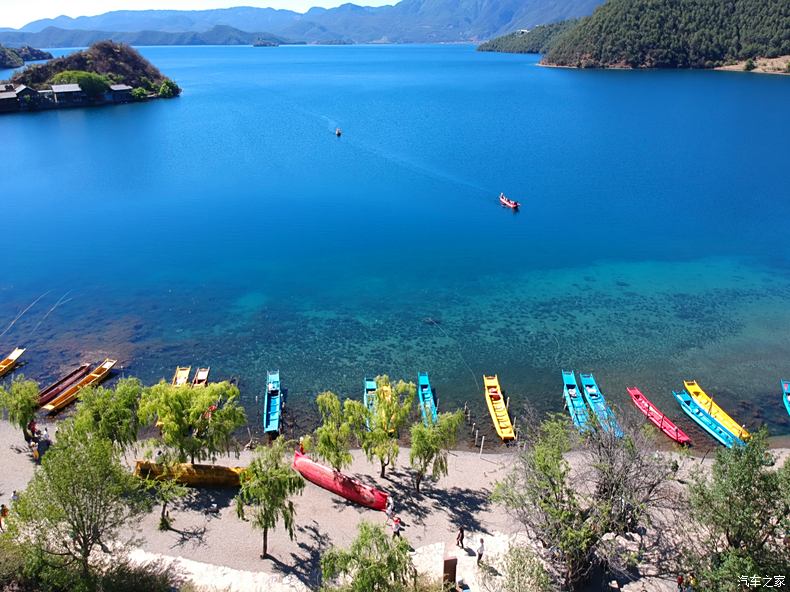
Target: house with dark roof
{"type": "Point", "coordinates": [8, 100]}
{"type": "Point", "coordinates": [67, 95]}
{"type": "Point", "coordinates": [28, 97]}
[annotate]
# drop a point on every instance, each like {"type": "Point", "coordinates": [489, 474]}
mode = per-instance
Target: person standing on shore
{"type": "Point", "coordinates": [396, 527]}
{"type": "Point", "coordinates": [480, 550]}
{"type": "Point", "coordinates": [389, 509]}
{"type": "Point", "coordinates": [3, 516]}
{"type": "Point", "coordinates": [459, 538]}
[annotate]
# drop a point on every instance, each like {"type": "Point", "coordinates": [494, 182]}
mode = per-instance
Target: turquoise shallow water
{"type": "Point", "coordinates": [231, 228]}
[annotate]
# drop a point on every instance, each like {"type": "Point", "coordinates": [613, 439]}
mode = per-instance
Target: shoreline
{"type": "Point", "coordinates": [763, 66]}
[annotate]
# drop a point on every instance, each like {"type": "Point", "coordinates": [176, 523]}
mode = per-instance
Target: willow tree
{"type": "Point", "coordinates": [20, 401]}
{"type": "Point", "coordinates": [385, 420]}
{"type": "Point", "coordinates": [81, 500]}
{"type": "Point", "coordinates": [333, 438]}
{"type": "Point", "coordinates": [267, 486]}
{"type": "Point", "coordinates": [195, 423]}
{"type": "Point", "coordinates": [111, 413]}
{"type": "Point", "coordinates": [430, 445]}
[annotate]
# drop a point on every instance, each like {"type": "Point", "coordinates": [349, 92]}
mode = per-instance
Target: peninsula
{"type": "Point", "coordinates": [14, 57]}
{"type": "Point", "coordinates": [660, 34]}
{"type": "Point", "coordinates": [105, 73]}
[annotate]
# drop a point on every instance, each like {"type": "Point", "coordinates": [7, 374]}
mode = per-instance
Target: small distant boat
{"type": "Point", "coordinates": [599, 406]}
{"type": "Point", "coordinates": [11, 361]}
{"type": "Point", "coordinates": [575, 402]}
{"type": "Point", "coordinates": [338, 132]}
{"type": "Point", "coordinates": [497, 408]}
{"type": "Point", "coordinates": [705, 421]}
{"type": "Point", "coordinates": [99, 374]}
{"type": "Point", "coordinates": [191, 475]}
{"type": "Point", "coordinates": [57, 387]}
{"type": "Point", "coordinates": [369, 396]}
{"type": "Point", "coordinates": [427, 399]}
{"type": "Point", "coordinates": [661, 421]}
{"type": "Point", "coordinates": [181, 377]}
{"type": "Point", "coordinates": [715, 411]}
{"type": "Point", "coordinates": [336, 482]}
{"type": "Point", "coordinates": [272, 405]}
{"type": "Point", "coordinates": [201, 377]}
{"type": "Point", "coordinates": [508, 203]}
{"type": "Point", "coordinates": [786, 394]}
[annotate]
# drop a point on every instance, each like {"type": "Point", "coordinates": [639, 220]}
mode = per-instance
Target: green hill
{"type": "Point", "coordinates": [536, 40]}
{"type": "Point", "coordinates": [674, 34]}
{"type": "Point", "coordinates": [114, 62]}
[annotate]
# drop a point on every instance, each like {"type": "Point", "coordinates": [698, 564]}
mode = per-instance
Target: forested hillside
{"type": "Point", "coordinates": [536, 40]}
{"type": "Point", "coordinates": [674, 34]}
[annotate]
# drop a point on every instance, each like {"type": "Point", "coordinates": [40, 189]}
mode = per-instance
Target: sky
{"type": "Point", "coordinates": [16, 13]}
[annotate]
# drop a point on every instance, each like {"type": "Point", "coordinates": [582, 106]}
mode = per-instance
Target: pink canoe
{"type": "Point", "coordinates": [661, 421]}
{"type": "Point", "coordinates": [338, 483]}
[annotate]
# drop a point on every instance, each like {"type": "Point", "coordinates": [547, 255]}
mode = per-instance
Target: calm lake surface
{"type": "Point", "coordinates": [231, 228]}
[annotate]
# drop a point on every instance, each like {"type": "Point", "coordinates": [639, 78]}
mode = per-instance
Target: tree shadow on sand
{"type": "Point", "coordinates": [196, 536]}
{"type": "Point", "coordinates": [207, 500]}
{"type": "Point", "coordinates": [306, 566]}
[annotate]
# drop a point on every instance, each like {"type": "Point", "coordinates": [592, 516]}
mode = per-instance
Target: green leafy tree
{"type": "Point", "coordinates": [195, 423]}
{"type": "Point", "coordinates": [20, 402]}
{"type": "Point", "coordinates": [267, 486]}
{"type": "Point", "coordinates": [169, 89]}
{"type": "Point", "coordinates": [373, 562]}
{"type": "Point", "coordinates": [519, 570]}
{"type": "Point", "coordinates": [92, 84]}
{"type": "Point", "coordinates": [139, 94]}
{"type": "Point", "coordinates": [393, 407]}
{"type": "Point", "coordinates": [430, 445]}
{"type": "Point", "coordinates": [80, 500]}
{"type": "Point", "coordinates": [749, 65]}
{"type": "Point", "coordinates": [539, 493]}
{"type": "Point", "coordinates": [332, 442]}
{"type": "Point", "coordinates": [743, 511]}
{"type": "Point", "coordinates": [111, 413]}
{"type": "Point", "coordinates": [166, 490]}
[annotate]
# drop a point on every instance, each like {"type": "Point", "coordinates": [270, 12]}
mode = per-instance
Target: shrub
{"type": "Point", "coordinates": [169, 89]}
{"type": "Point", "coordinates": [139, 94]}
{"type": "Point", "coordinates": [749, 65]}
{"type": "Point", "coordinates": [92, 84]}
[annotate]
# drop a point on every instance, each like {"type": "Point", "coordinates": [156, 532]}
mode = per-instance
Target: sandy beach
{"type": "Point", "coordinates": [218, 551]}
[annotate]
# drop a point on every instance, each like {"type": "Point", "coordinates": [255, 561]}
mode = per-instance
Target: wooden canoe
{"type": "Point", "coordinates": [192, 475]}
{"type": "Point", "coordinates": [654, 414]}
{"type": "Point", "coordinates": [599, 406]}
{"type": "Point", "coordinates": [715, 411]}
{"type": "Point", "coordinates": [575, 402]}
{"type": "Point", "coordinates": [181, 377]}
{"type": "Point", "coordinates": [786, 394]}
{"type": "Point", "coordinates": [10, 362]}
{"type": "Point", "coordinates": [705, 421]}
{"type": "Point", "coordinates": [336, 482]}
{"type": "Point", "coordinates": [57, 387]}
{"type": "Point", "coordinates": [497, 408]}
{"type": "Point", "coordinates": [427, 399]}
{"type": "Point", "coordinates": [201, 377]}
{"type": "Point", "coordinates": [100, 373]}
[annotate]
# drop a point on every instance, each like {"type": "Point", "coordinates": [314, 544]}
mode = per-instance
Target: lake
{"type": "Point", "coordinates": [231, 228]}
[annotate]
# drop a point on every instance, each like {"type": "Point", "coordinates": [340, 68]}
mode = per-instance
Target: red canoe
{"type": "Point", "coordinates": [54, 389]}
{"type": "Point", "coordinates": [338, 483]}
{"type": "Point", "coordinates": [508, 203]}
{"type": "Point", "coordinates": [661, 421]}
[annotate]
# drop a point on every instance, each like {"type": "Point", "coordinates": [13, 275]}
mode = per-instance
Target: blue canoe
{"type": "Point", "coordinates": [705, 421]}
{"type": "Point", "coordinates": [786, 394]}
{"type": "Point", "coordinates": [575, 402]}
{"type": "Point", "coordinates": [369, 397]}
{"type": "Point", "coordinates": [273, 403]}
{"type": "Point", "coordinates": [599, 406]}
{"type": "Point", "coordinates": [427, 399]}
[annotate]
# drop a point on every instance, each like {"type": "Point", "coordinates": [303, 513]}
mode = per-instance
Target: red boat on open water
{"type": "Point", "coordinates": [507, 202]}
{"type": "Point", "coordinates": [661, 421]}
{"type": "Point", "coordinates": [338, 483]}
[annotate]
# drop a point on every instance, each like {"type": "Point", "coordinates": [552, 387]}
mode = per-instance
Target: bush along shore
{"type": "Point", "coordinates": [105, 73]}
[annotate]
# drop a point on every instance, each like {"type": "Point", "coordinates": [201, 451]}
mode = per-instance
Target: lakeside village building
{"type": "Point", "coordinates": [19, 97]}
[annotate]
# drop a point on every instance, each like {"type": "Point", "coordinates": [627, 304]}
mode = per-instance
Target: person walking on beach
{"type": "Point", "coordinates": [459, 538]}
{"type": "Point", "coordinates": [389, 509]}
{"type": "Point", "coordinates": [397, 527]}
{"type": "Point", "coordinates": [680, 583]}
{"type": "Point", "coordinates": [480, 550]}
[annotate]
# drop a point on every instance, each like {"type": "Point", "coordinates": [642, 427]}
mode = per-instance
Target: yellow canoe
{"type": "Point", "coordinates": [94, 378]}
{"type": "Point", "coordinates": [192, 475]}
{"type": "Point", "coordinates": [715, 411]}
{"type": "Point", "coordinates": [10, 362]}
{"type": "Point", "coordinates": [181, 377]}
{"type": "Point", "coordinates": [497, 408]}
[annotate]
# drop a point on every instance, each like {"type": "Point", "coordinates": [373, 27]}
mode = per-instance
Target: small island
{"type": "Point", "coordinates": [105, 73]}
{"type": "Point", "coordinates": [745, 35]}
{"type": "Point", "coordinates": [14, 57]}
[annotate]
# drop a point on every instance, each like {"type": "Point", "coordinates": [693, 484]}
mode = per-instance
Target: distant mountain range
{"type": "Point", "coordinates": [409, 21]}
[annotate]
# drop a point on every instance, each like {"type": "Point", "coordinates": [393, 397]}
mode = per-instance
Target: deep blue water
{"type": "Point", "coordinates": [231, 228]}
